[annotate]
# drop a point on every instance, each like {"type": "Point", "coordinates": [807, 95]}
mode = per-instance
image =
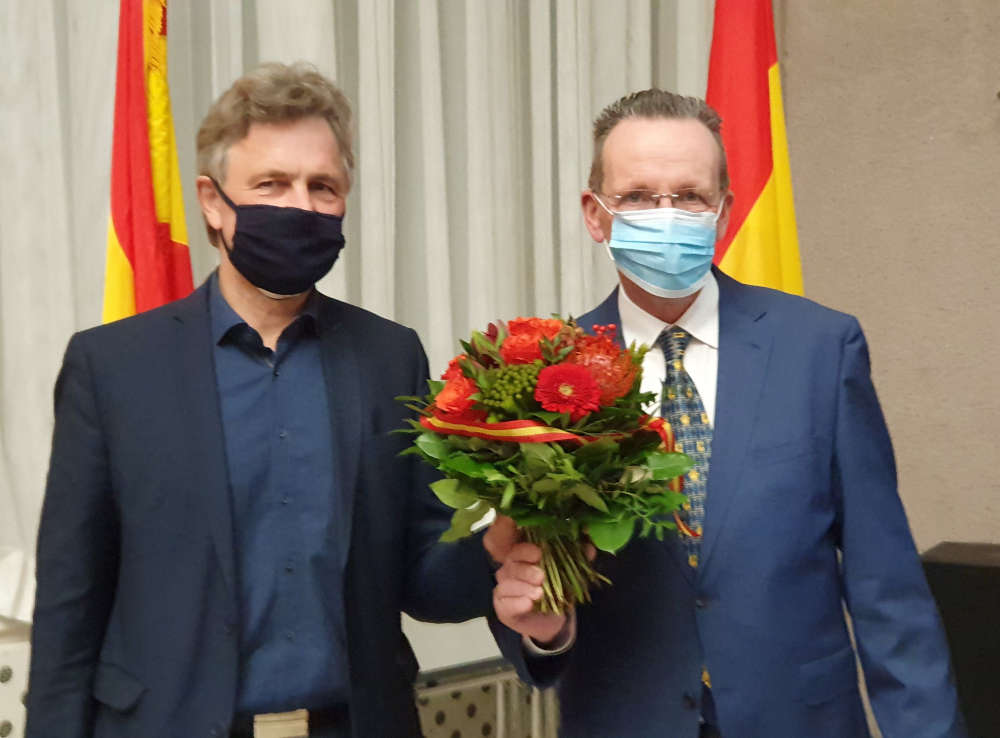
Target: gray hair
{"type": "Point", "coordinates": [654, 103]}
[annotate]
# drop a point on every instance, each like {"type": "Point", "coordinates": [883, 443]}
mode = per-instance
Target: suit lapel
{"type": "Point", "coordinates": [744, 352]}
{"type": "Point", "coordinates": [344, 398]}
{"type": "Point", "coordinates": [197, 396]}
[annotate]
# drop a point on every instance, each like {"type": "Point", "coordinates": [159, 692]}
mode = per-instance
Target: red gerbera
{"type": "Point", "coordinates": [568, 388]}
{"type": "Point", "coordinates": [611, 367]}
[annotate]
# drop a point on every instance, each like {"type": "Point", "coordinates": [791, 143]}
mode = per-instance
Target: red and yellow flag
{"type": "Point", "coordinates": [148, 261]}
{"type": "Point", "coordinates": [761, 246]}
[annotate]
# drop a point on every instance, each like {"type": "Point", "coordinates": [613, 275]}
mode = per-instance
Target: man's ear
{"type": "Point", "coordinates": [210, 201]}
{"type": "Point", "coordinates": [596, 218]}
{"type": "Point", "coordinates": [723, 223]}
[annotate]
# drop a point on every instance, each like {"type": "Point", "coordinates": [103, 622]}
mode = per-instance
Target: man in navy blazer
{"type": "Point", "coordinates": [228, 535]}
{"type": "Point", "coordinates": [742, 635]}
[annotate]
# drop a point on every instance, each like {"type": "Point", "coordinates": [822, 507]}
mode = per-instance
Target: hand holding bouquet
{"type": "Point", "coordinates": [545, 424]}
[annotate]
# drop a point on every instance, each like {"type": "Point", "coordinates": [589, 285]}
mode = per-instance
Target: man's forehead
{"type": "Point", "coordinates": [661, 147]}
{"type": "Point", "coordinates": [286, 147]}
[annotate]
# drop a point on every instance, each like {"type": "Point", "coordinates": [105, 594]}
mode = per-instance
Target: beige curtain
{"type": "Point", "coordinates": [473, 122]}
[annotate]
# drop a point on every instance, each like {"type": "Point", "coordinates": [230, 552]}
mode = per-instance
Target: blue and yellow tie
{"type": "Point", "coordinates": [682, 408]}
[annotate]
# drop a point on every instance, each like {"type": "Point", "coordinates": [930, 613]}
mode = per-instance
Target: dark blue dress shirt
{"type": "Point", "coordinates": [289, 551]}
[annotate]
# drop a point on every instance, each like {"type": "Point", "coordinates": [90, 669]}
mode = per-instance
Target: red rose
{"type": "Point", "coordinates": [522, 345]}
{"type": "Point", "coordinates": [522, 349]}
{"type": "Point", "coordinates": [568, 388]}
{"type": "Point", "coordinates": [454, 371]}
{"type": "Point", "coordinates": [453, 402]}
{"type": "Point", "coordinates": [547, 327]}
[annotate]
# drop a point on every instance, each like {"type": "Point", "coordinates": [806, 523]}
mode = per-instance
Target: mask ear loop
{"type": "Point", "coordinates": [232, 206]}
{"type": "Point", "coordinates": [606, 243]}
{"type": "Point", "coordinates": [722, 206]}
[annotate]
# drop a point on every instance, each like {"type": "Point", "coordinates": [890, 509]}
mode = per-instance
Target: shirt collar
{"type": "Point", "coordinates": [224, 318]}
{"type": "Point", "coordinates": [701, 319]}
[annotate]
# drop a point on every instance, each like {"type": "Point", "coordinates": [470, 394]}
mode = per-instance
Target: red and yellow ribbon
{"type": "Point", "coordinates": [531, 431]}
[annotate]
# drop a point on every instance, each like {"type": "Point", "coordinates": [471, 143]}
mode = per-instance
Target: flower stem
{"type": "Point", "coordinates": [568, 573]}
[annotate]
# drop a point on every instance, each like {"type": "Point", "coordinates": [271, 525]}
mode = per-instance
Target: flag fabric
{"type": "Point", "coordinates": [761, 245]}
{"type": "Point", "coordinates": [148, 262]}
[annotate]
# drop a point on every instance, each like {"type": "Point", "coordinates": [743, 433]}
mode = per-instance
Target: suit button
{"type": "Point", "coordinates": [701, 603]}
{"type": "Point", "coordinates": [689, 702]}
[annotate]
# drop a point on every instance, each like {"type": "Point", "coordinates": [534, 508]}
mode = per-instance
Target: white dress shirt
{"type": "Point", "coordinates": [701, 359]}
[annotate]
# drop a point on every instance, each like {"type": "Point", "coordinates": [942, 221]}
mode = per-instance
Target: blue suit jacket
{"type": "Point", "coordinates": [802, 515]}
{"type": "Point", "coordinates": [135, 627]}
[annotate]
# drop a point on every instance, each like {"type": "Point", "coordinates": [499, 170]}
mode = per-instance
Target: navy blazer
{"type": "Point", "coordinates": [135, 626]}
{"type": "Point", "coordinates": [802, 515]}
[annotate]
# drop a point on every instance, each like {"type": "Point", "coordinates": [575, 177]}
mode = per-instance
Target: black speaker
{"type": "Point", "coordinates": [965, 580]}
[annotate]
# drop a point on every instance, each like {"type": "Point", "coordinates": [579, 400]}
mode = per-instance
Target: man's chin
{"type": "Point", "coordinates": [276, 296]}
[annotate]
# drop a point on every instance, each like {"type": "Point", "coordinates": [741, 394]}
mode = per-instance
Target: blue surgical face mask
{"type": "Point", "coordinates": [666, 251]}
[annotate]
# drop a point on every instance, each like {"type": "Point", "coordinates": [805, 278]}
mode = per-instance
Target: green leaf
{"type": "Point", "coordinates": [611, 536]}
{"type": "Point", "coordinates": [508, 495]}
{"type": "Point", "coordinates": [461, 463]}
{"type": "Point", "coordinates": [463, 520]}
{"type": "Point", "coordinates": [453, 493]}
{"type": "Point", "coordinates": [589, 495]}
{"type": "Point", "coordinates": [668, 465]}
{"type": "Point", "coordinates": [546, 486]}
{"type": "Point", "coordinates": [539, 458]}
{"type": "Point", "coordinates": [435, 385]}
{"type": "Point", "coordinates": [546, 416]}
{"type": "Point", "coordinates": [433, 445]}
{"type": "Point", "coordinates": [596, 451]}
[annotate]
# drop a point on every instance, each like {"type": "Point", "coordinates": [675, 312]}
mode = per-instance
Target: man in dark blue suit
{"type": "Point", "coordinates": [228, 536]}
{"type": "Point", "coordinates": [741, 632]}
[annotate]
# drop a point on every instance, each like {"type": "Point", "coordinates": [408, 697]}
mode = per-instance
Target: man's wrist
{"type": "Point", "coordinates": [560, 643]}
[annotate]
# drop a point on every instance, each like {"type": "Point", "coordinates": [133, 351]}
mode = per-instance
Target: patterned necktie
{"type": "Point", "coordinates": [683, 409]}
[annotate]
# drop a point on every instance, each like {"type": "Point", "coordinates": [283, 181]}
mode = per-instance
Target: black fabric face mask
{"type": "Point", "coordinates": [282, 250]}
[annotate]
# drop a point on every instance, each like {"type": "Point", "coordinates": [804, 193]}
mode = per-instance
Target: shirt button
{"type": "Point", "coordinates": [689, 702]}
{"type": "Point", "coordinates": [289, 568]}
{"type": "Point", "coordinates": [282, 434]}
{"type": "Point", "coordinates": [285, 500]}
{"type": "Point", "coordinates": [289, 635]}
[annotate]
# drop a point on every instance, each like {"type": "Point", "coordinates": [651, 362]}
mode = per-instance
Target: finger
{"type": "Point", "coordinates": [510, 610]}
{"type": "Point", "coordinates": [517, 588]}
{"type": "Point", "coordinates": [501, 536]}
{"type": "Point", "coordinates": [590, 551]}
{"type": "Point", "coordinates": [528, 553]}
{"type": "Point", "coordinates": [521, 571]}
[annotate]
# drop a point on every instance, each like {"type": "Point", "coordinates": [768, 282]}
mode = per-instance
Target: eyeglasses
{"type": "Point", "coordinates": [690, 200]}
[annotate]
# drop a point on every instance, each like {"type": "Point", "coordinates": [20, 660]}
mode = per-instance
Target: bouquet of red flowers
{"type": "Point", "coordinates": [541, 422]}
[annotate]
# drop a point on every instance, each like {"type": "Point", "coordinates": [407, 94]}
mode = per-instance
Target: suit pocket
{"type": "Point", "coordinates": [116, 688]}
{"type": "Point", "coordinates": [827, 677]}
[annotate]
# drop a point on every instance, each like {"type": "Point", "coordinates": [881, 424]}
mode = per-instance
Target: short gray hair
{"type": "Point", "coordinates": [271, 93]}
{"type": "Point", "coordinates": [654, 103]}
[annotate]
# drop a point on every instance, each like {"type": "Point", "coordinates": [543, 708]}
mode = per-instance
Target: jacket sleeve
{"type": "Point", "coordinates": [899, 635]}
{"type": "Point", "coordinates": [542, 670]}
{"type": "Point", "coordinates": [445, 582]}
{"type": "Point", "coordinates": [77, 560]}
